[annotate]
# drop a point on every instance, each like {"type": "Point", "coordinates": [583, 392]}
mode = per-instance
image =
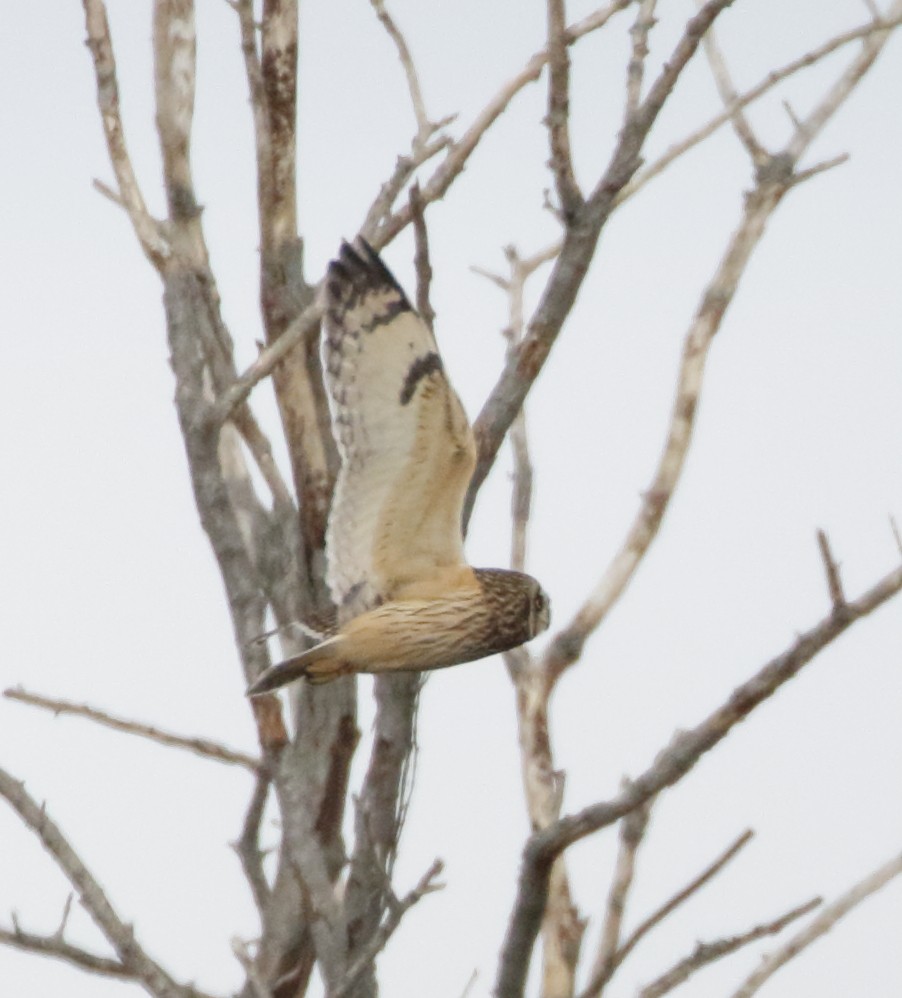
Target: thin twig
{"type": "Point", "coordinates": [248, 844]}
{"type": "Point", "coordinates": [566, 647]}
{"type": "Point", "coordinates": [871, 47]}
{"type": "Point", "coordinates": [396, 911]}
{"type": "Point", "coordinates": [897, 535]}
{"type": "Point", "coordinates": [728, 95]}
{"type": "Point", "coordinates": [300, 328]}
{"type": "Point", "coordinates": [671, 765]}
{"type": "Point", "coordinates": [826, 919]}
{"type": "Point", "coordinates": [147, 229]}
{"type": "Point", "coordinates": [421, 262]}
{"type": "Point", "coordinates": [558, 116]}
{"type": "Point", "coordinates": [635, 70]}
{"type": "Point", "coordinates": [632, 832]}
{"type": "Point", "coordinates": [58, 948]}
{"type": "Point", "coordinates": [658, 916]}
{"type": "Point", "coordinates": [770, 81]}
{"type": "Point", "coordinates": [459, 152]}
{"type": "Point", "coordinates": [199, 746]}
{"type": "Point", "coordinates": [831, 569]}
{"type": "Point", "coordinates": [572, 264]}
{"type": "Point", "coordinates": [413, 83]}
{"type": "Point", "coordinates": [705, 953]}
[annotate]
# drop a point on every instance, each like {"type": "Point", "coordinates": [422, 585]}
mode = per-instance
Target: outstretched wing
{"type": "Point", "coordinates": [407, 450]}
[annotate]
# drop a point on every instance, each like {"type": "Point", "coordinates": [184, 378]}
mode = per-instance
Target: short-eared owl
{"type": "Point", "coordinates": [395, 549]}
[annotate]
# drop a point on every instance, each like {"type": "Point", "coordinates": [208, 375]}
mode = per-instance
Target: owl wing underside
{"type": "Point", "coordinates": [407, 449]}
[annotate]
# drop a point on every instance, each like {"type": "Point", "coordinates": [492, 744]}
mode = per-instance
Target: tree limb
{"type": "Point", "coordinates": [459, 152]}
{"type": "Point", "coordinates": [871, 46]}
{"type": "Point", "coordinates": [543, 847]}
{"type": "Point", "coordinates": [748, 97]}
{"type": "Point", "coordinates": [558, 116]}
{"type": "Point", "coordinates": [705, 953]}
{"type": "Point", "coordinates": [55, 946]}
{"type": "Point", "coordinates": [248, 844]}
{"type": "Point", "coordinates": [823, 923]}
{"type": "Point", "coordinates": [831, 570]}
{"type": "Point", "coordinates": [635, 70]}
{"type": "Point", "coordinates": [155, 246]}
{"type": "Point", "coordinates": [424, 126]}
{"type": "Point", "coordinates": [730, 98]}
{"type": "Point", "coordinates": [632, 833]}
{"type": "Point", "coordinates": [203, 747]}
{"type": "Point", "coordinates": [119, 935]}
{"type": "Point", "coordinates": [658, 916]}
{"type": "Point", "coordinates": [566, 646]}
{"type": "Point", "coordinates": [572, 264]}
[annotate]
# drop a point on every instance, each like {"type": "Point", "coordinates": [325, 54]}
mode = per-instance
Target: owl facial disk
{"type": "Point", "coordinates": [539, 611]}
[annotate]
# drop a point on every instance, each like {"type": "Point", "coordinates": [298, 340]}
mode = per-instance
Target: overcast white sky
{"type": "Point", "coordinates": [110, 594]}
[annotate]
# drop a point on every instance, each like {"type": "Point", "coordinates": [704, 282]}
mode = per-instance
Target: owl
{"type": "Point", "coordinates": [396, 565]}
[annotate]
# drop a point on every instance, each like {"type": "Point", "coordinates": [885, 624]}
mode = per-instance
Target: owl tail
{"type": "Point", "coordinates": [316, 665]}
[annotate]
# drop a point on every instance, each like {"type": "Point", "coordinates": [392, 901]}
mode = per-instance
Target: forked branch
{"type": "Point", "coordinates": [134, 960]}
{"type": "Point", "coordinates": [147, 229]}
{"type": "Point", "coordinates": [823, 923]}
{"type": "Point", "coordinates": [672, 765]}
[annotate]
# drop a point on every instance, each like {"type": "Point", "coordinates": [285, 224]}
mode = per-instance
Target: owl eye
{"type": "Point", "coordinates": [538, 602]}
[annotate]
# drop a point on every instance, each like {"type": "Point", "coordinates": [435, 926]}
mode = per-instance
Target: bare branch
{"type": "Point", "coordinates": [681, 896]}
{"type": "Point", "coordinates": [558, 117]}
{"type": "Point", "coordinates": [107, 192]}
{"type": "Point", "coordinates": [120, 936]}
{"type": "Point", "coordinates": [300, 328]}
{"type": "Point", "coordinates": [567, 645]}
{"type": "Point", "coordinates": [397, 909]}
{"type": "Point", "coordinates": [705, 953]}
{"type": "Point", "coordinates": [572, 264]}
{"type": "Point", "coordinates": [635, 70]}
{"type": "Point", "coordinates": [174, 47]}
{"type": "Point", "coordinates": [459, 152]}
{"type": "Point", "coordinates": [405, 168]}
{"type": "Point", "coordinates": [278, 69]}
{"type": "Point", "coordinates": [543, 847]}
{"type": "Point", "coordinates": [248, 844]}
{"type": "Point", "coordinates": [768, 83]}
{"type": "Point", "coordinates": [58, 948]}
{"type": "Point", "coordinates": [897, 536]}
{"type": "Point", "coordinates": [147, 229]}
{"type": "Point", "coordinates": [800, 176]}
{"type": "Point", "coordinates": [199, 746]}
{"type": "Point", "coordinates": [424, 127]}
{"type": "Point", "coordinates": [824, 922]}
{"type": "Point", "coordinates": [563, 928]}
{"type": "Point", "coordinates": [871, 47]}
{"type": "Point", "coordinates": [831, 569]}
{"type": "Point", "coordinates": [728, 95]}
{"type": "Point", "coordinates": [632, 832]}
{"type": "Point", "coordinates": [421, 258]}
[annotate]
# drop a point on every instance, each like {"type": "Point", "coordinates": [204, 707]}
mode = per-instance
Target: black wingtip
{"type": "Point", "coordinates": [358, 268]}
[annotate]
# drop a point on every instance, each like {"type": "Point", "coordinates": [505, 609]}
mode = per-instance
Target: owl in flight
{"type": "Point", "coordinates": [396, 565]}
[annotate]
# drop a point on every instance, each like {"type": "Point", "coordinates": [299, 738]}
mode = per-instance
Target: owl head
{"type": "Point", "coordinates": [518, 606]}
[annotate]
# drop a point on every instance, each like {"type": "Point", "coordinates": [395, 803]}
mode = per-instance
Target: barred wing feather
{"type": "Point", "coordinates": [407, 449]}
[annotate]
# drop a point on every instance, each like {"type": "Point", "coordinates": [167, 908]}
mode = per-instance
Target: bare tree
{"type": "Point", "coordinates": [328, 899]}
